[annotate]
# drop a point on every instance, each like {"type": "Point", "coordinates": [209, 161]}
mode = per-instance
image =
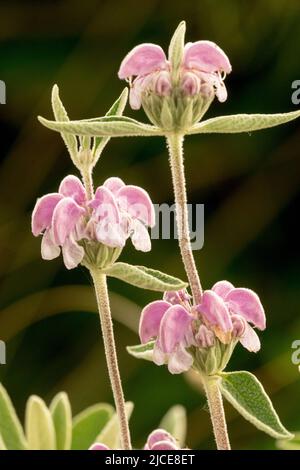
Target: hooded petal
{"type": "Point", "coordinates": [49, 249]}
{"type": "Point", "coordinates": [98, 446]}
{"type": "Point", "coordinates": [150, 319]}
{"type": "Point", "coordinates": [206, 56]}
{"type": "Point", "coordinates": [114, 184]}
{"type": "Point", "coordinates": [72, 253]}
{"type": "Point", "coordinates": [180, 360]}
{"type": "Point", "coordinates": [43, 211]}
{"type": "Point", "coordinates": [105, 205]}
{"type": "Point", "coordinates": [71, 186]}
{"type": "Point", "coordinates": [65, 216]}
{"type": "Point", "coordinates": [142, 60]}
{"type": "Point", "coordinates": [214, 310]}
{"type": "Point", "coordinates": [222, 288]}
{"type": "Point", "coordinates": [137, 203]}
{"type": "Point", "coordinates": [249, 339]}
{"type": "Point", "coordinates": [246, 303]}
{"type": "Point", "coordinates": [174, 327]}
{"type": "Point", "coordinates": [159, 435]}
{"type": "Point", "coordinates": [140, 236]}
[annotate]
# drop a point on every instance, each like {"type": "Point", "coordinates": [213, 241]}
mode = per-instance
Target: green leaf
{"type": "Point", "coordinates": [242, 123]}
{"type": "Point", "coordinates": [176, 48]}
{"type": "Point", "coordinates": [60, 409]}
{"type": "Point", "coordinates": [10, 428]}
{"type": "Point", "coordinates": [247, 395]}
{"type": "Point", "coordinates": [142, 351]}
{"type": "Point", "coordinates": [290, 444]}
{"type": "Point", "coordinates": [111, 126]}
{"type": "Point", "coordinates": [116, 110]}
{"type": "Point", "coordinates": [145, 278]}
{"type": "Point", "coordinates": [39, 425]}
{"type": "Point", "coordinates": [2, 445]}
{"type": "Point", "coordinates": [175, 422]}
{"type": "Point", "coordinates": [88, 424]}
{"type": "Point", "coordinates": [110, 434]}
{"type": "Point", "coordinates": [60, 114]}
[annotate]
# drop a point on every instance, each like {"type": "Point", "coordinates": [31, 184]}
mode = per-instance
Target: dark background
{"type": "Point", "coordinates": [248, 183]}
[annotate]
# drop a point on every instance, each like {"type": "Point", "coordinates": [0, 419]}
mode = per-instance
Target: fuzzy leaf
{"type": "Point", "coordinates": [145, 278]}
{"type": "Point", "coordinates": [110, 434]}
{"type": "Point", "coordinates": [290, 444]}
{"type": "Point", "coordinates": [60, 114]}
{"type": "Point", "coordinates": [116, 110]}
{"type": "Point", "coordinates": [246, 394]}
{"type": "Point", "coordinates": [175, 422]}
{"type": "Point", "coordinates": [242, 123]}
{"type": "Point", "coordinates": [176, 48]}
{"type": "Point", "coordinates": [39, 425]}
{"type": "Point", "coordinates": [111, 126]}
{"type": "Point", "coordinates": [88, 424]}
{"type": "Point", "coordinates": [10, 428]}
{"type": "Point", "coordinates": [62, 418]}
{"type": "Point", "coordinates": [2, 445]}
{"type": "Point", "coordinates": [142, 351]}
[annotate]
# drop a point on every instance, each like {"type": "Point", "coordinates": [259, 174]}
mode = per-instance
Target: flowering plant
{"type": "Point", "coordinates": [186, 331]}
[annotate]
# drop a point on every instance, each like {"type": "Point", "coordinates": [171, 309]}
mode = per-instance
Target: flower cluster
{"type": "Point", "coordinates": [68, 219]}
{"type": "Point", "coordinates": [157, 440]}
{"type": "Point", "coordinates": [201, 75]}
{"type": "Point", "coordinates": [182, 331]}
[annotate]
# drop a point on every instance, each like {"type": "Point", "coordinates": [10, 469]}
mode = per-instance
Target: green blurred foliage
{"type": "Point", "coordinates": [249, 185]}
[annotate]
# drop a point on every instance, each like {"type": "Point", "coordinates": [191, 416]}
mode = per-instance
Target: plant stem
{"type": "Point", "coordinates": [100, 285]}
{"type": "Point", "coordinates": [175, 146]}
{"type": "Point", "coordinates": [215, 403]}
{"type": "Point", "coordinates": [86, 174]}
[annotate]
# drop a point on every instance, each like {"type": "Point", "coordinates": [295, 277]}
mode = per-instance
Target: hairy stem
{"type": "Point", "coordinates": [215, 403]}
{"type": "Point", "coordinates": [175, 146]}
{"type": "Point", "coordinates": [100, 285]}
{"type": "Point", "coordinates": [87, 178]}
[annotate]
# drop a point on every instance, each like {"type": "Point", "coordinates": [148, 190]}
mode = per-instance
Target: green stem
{"type": "Point", "coordinates": [217, 414]}
{"type": "Point", "coordinates": [87, 178]}
{"type": "Point", "coordinates": [100, 285]}
{"type": "Point", "coordinates": [175, 146]}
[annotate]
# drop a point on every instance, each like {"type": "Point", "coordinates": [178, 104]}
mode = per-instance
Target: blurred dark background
{"type": "Point", "coordinates": [248, 183]}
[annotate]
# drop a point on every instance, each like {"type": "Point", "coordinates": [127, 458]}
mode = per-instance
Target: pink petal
{"type": "Point", "coordinates": [137, 203]}
{"type": "Point", "coordinates": [164, 445]}
{"type": "Point", "coordinates": [49, 249]}
{"type": "Point", "coordinates": [150, 319]}
{"type": "Point", "coordinates": [180, 361]}
{"type": "Point", "coordinates": [110, 233]}
{"type": "Point", "coordinates": [222, 288]}
{"type": "Point", "coordinates": [114, 184]}
{"type": "Point", "coordinates": [246, 303]}
{"type": "Point", "coordinates": [238, 325]}
{"type": "Point", "coordinates": [159, 435]}
{"type": "Point", "coordinates": [250, 340]}
{"type": "Point", "coordinates": [72, 253]}
{"type": "Point", "coordinates": [214, 310]}
{"type": "Point", "coordinates": [71, 186]}
{"type": "Point", "coordinates": [98, 446]}
{"type": "Point", "coordinates": [43, 211]}
{"type": "Point", "coordinates": [159, 357]}
{"type": "Point", "coordinates": [221, 91]}
{"type": "Point", "coordinates": [190, 84]}
{"type": "Point", "coordinates": [105, 205]}
{"type": "Point", "coordinates": [173, 328]}
{"type": "Point", "coordinates": [206, 56]}
{"type": "Point", "coordinates": [140, 236]}
{"type": "Point", "coordinates": [65, 216]}
{"type": "Point", "coordinates": [177, 297]}
{"type": "Point", "coordinates": [162, 84]}
{"type": "Point", "coordinates": [142, 60]}
{"type": "Point", "coordinates": [205, 338]}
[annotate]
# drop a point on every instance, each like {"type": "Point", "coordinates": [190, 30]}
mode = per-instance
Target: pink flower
{"type": "Point", "coordinates": [228, 311]}
{"type": "Point", "coordinates": [157, 440]}
{"type": "Point", "coordinates": [179, 329]}
{"type": "Point", "coordinates": [202, 72]}
{"type": "Point", "coordinates": [171, 325]}
{"type": "Point", "coordinates": [116, 213]}
{"type": "Point", "coordinates": [59, 217]}
{"type": "Point", "coordinates": [121, 212]}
